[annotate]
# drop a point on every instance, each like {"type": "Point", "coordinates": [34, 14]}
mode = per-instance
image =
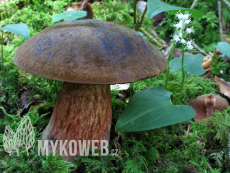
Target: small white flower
{"type": "Point", "coordinates": [180, 16]}
{"type": "Point", "coordinates": [221, 71]}
{"type": "Point", "coordinates": [176, 38]}
{"type": "Point", "coordinates": [187, 21]}
{"type": "Point", "coordinates": [186, 15]}
{"type": "Point", "coordinates": [189, 30]}
{"type": "Point", "coordinates": [183, 41]}
{"type": "Point", "coordinates": [183, 16]}
{"type": "Point", "coordinates": [178, 25]}
{"type": "Point", "coordinates": [180, 28]}
{"type": "Point", "coordinates": [189, 47]}
{"type": "Point", "coordinates": [180, 33]}
{"type": "Point", "coordinates": [189, 43]}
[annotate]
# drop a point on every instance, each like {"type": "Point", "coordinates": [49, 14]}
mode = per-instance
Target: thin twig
{"type": "Point", "coordinates": [219, 15]}
{"type": "Point", "coordinates": [226, 3]}
{"type": "Point", "coordinates": [209, 72]}
{"type": "Point", "coordinates": [197, 47]}
{"type": "Point", "coordinates": [167, 52]}
{"type": "Point", "coordinates": [189, 168]}
{"type": "Point", "coordinates": [155, 35]}
{"type": "Point", "coordinates": [155, 40]}
{"type": "Point", "coordinates": [209, 151]}
{"type": "Point", "coordinates": [161, 22]}
{"type": "Point", "coordinates": [16, 103]}
{"type": "Point", "coordinates": [193, 4]}
{"type": "Point", "coordinates": [10, 91]}
{"type": "Point", "coordinates": [83, 5]}
{"type": "Point", "coordinates": [188, 129]}
{"type": "Point", "coordinates": [223, 24]}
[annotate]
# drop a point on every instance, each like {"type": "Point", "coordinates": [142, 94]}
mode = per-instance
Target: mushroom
{"type": "Point", "coordinates": [204, 105]}
{"type": "Point", "coordinates": [207, 60]}
{"type": "Point", "coordinates": [88, 55]}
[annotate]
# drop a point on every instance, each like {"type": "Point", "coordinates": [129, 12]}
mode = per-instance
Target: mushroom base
{"type": "Point", "coordinates": [82, 112]}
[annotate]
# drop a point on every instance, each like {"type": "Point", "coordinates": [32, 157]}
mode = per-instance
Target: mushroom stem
{"type": "Point", "coordinates": [82, 112]}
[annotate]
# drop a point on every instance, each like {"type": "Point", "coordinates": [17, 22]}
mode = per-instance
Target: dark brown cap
{"type": "Point", "coordinates": [90, 51]}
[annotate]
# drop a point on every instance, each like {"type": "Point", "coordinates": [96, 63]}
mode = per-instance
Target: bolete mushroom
{"type": "Point", "coordinates": [205, 104]}
{"type": "Point", "coordinates": [88, 55]}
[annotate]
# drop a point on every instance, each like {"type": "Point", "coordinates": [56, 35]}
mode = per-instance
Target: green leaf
{"type": "Point", "coordinates": [194, 13]}
{"type": "Point", "coordinates": [192, 64]}
{"type": "Point", "coordinates": [150, 109]}
{"type": "Point", "coordinates": [155, 7]}
{"type": "Point", "coordinates": [20, 29]}
{"type": "Point", "coordinates": [58, 17]}
{"type": "Point", "coordinates": [224, 47]}
{"type": "Point", "coordinates": [69, 15]}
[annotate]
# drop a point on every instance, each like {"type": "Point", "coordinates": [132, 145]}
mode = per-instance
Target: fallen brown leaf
{"type": "Point", "coordinates": [224, 86]}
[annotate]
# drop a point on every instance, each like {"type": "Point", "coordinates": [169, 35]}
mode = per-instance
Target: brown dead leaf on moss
{"type": "Point", "coordinates": [224, 86]}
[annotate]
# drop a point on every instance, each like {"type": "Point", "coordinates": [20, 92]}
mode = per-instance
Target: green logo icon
{"type": "Point", "coordinates": [24, 136]}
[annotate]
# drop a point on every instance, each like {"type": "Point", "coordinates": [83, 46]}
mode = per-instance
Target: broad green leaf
{"type": "Point", "coordinates": [155, 7]}
{"type": "Point", "coordinates": [20, 29]}
{"type": "Point", "coordinates": [58, 17]}
{"type": "Point", "coordinates": [192, 64]}
{"type": "Point", "coordinates": [150, 109]}
{"type": "Point", "coordinates": [69, 15]}
{"type": "Point", "coordinates": [224, 47]}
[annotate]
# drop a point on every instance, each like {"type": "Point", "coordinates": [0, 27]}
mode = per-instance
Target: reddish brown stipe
{"type": "Point", "coordinates": [82, 112]}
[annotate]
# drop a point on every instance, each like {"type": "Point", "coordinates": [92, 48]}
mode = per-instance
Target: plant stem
{"type": "Point", "coordinates": [173, 130]}
{"type": "Point", "coordinates": [137, 24]}
{"type": "Point", "coordinates": [6, 12]}
{"type": "Point", "coordinates": [135, 12]}
{"type": "Point", "coordinates": [182, 84]}
{"type": "Point", "coordinates": [3, 70]}
{"type": "Point", "coordinates": [167, 75]}
{"type": "Point", "coordinates": [142, 18]}
{"type": "Point", "coordinates": [166, 85]}
{"type": "Point", "coordinates": [183, 74]}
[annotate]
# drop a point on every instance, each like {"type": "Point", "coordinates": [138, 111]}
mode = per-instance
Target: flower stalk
{"type": "Point", "coordinates": [167, 75]}
{"type": "Point", "coordinates": [183, 75]}
{"type": "Point", "coordinates": [179, 37]}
